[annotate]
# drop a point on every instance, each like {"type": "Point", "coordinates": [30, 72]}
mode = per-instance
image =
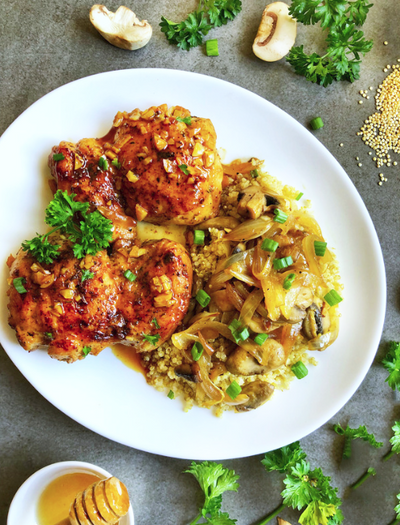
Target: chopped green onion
{"type": "Point", "coordinates": [171, 395]}
{"type": "Point", "coordinates": [287, 283]}
{"type": "Point", "coordinates": [49, 335]}
{"type": "Point", "coordinates": [103, 164]}
{"type": "Point", "coordinates": [58, 156]}
{"type": "Point", "coordinates": [199, 236]}
{"type": "Point", "coordinates": [130, 276]}
{"type": "Point", "coordinates": [234, 325]}
{"type": "Point", "coordinates": [115, 162]}
{"type": "Point", "coordinates": [260, 339]}
{"type": "Point", "coordinates": [320, 248]}
{"type": "Point", "coordinates": [269, 245]}
{"type": "Point", "coordinates": [233, 390]}
{"type": "Point", "coordinates": [186, 120]}
{"type": "Point", "coordinates": [155, 322]}
{"type": "Point", "coordinates": [153, 339]}
{"type": "Point", "coordinates": [197, 351]}
{"type": "Point", "coordinates": [333, 298]}
{"type": "Point", "coordinates": [183, 167]}
{"type": "Point", "coordinates": [282, 263]}
{"type": "Point", "coordinates": [18, 283]}
{"type": "Point", "coordinates": [86, 350]}
{"type": "Point", "coordinates": [254, 174]}
{"type": "Point", "coordinates": [203, 298]}
{"type": "Point", "coordinates": [238, 331]}
{"type": "Point", "coordinates": [300, 370]}
{"type": "Point", "coordinates": [317, 123]}
{"type": "Point", "coordinates": [280, 216]}
{"type": "Point", "coordinates": [212, 48]}
{"type": "Point", "coordinates": [86, 274]}
{"type": "Point", "coordinates": [299, 196]}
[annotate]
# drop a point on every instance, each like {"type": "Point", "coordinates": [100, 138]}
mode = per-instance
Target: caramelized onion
{"type": "Point", "coordinates": [220, 223]}
{"type": "Point", "coordinates": [207, 347]}
{"type": "Point", "coordinates": [262, 262]}
{"type": "Point", "coordinates": [309, 253]}
{"type": "Point", "coordinates": [240, 272]}
{"type": "Point", "coordinates": [250, 306]}
{"type": "Point", "coordinates": [239, 400]}
{"type": "Point", "coordinates": [217, 281]}
{"type": "Point", "coordinates": [238, 167]}
{"type": "Point", "coordinates": [250, 229]}
{"type": "Point", "coordinates": [234, 297]}
{"type": "Point", "coordinates": [274, 297]}
{"type": "Point", "coordinates": [289, 336]}
{"type": "Point", "coordinates": [212, 391]}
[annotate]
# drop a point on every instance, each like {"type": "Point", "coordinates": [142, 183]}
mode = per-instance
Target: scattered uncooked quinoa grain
{"type": "Point", "coordinates": [381, 131]}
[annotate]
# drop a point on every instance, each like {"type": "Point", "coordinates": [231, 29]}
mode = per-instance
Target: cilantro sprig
{"type": "Point", "coordinates": [209, 14]}
{"type": "Point", "coordinates": [355, 433]}
{"type": "Point", "coordinates": [345, 41]}
{"type": "Point", "coordinates": [89, 232]}
{"type": "Point", "coordinates": [305, 489]}
{"type": "Point", "coordinates": [214, 480]}
{"type": "Point", "coordinates": [392, 364]}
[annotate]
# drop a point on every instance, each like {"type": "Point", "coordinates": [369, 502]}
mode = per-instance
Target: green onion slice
{"type": "Point", "coordinates": [299, 196]}
{"type": "Point", "coordinates": [18, 283]}
{"type": "Point", "coordinates": [186, 120]}
{"type": "Point", "coordinates": [300, 370]}
{"type": "Point", "coordinates": [333, 298]}
{"type": "Point", "coordinates": [197, 351]}
{"type": "Point", "coordinates": [49, 335]}
{"type": "Point", "coordinates": [254, 174]}
{"type": "Point", "coordinates": [279, 264]}
{"type": "Point", "coordinates": [280, 216]}
{"type": "Point", "coordinates": [212, 48]}
{"type": "Point", "coordinates": [269, 245]}
{"type": "Point", "coordinates": [260, 339]}
{"type": "Point", "coordinates": [130, 276]}
{"type": "Point", "coordinates": [153, 339]}
{"type": "Point", "coordinates": [103, 164]}
{"type": "Point", "coordinates": [86, 350]}
{"type": "Point", "coordinates": [233, 390]}
{"type": "Point", "coordinates": [239, 332]}
{"type": "Point", "coordinates": [203, 298]}
{"type": "Point", "coordinates": [320, 248]}
{"type": "Point", "coordinates": [183, 167]}
{"type": "Point", "coordinates": [58, 156]}
{"type": "Point", "coordinates": [171, 395]}
{"type": "Point", "coordinates": [115, 162]}
{"type": "Point", "coordinates": [287, 283]}
{"type": "Point", "coordinates": [199, 236]}
{"type": "Point", "coordinates": [317, 123]}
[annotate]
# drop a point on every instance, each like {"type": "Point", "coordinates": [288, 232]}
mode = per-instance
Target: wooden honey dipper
{"type": "Point", "coordinates": [102, 503]}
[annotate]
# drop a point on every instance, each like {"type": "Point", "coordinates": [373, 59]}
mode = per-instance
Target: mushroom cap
{"type": "Point", "coordinates": [122, 29]}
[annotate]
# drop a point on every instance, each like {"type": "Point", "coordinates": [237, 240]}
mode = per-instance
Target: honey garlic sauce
{"type": "Point", "coordinates": [128, 356]}
{"type": "Point", "coordinates": [56, 498]}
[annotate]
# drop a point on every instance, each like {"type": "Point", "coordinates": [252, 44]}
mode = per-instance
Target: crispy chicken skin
{"type": "Point", "coordinates": [170, 171]}
{"type": "Point", "coordinates": [63, 314]}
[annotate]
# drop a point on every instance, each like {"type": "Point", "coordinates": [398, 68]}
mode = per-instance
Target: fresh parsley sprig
{"type": "Point", "coordinates": [345, 42]}
{"type": "Point", "coordinates": [209, 14]}
{"type": "Point", "coordinates": [355, 433]}
{"type": "Point", "coordinates": [392, 364]}
{"type": "Point", "coordinates": [397, 511]}
{"type": "Point", "coordinates": [394, 441]}
{"type": "Point", "coordinates": [89, 232]}
{"type": "Point", "coordinates": [214, 479]}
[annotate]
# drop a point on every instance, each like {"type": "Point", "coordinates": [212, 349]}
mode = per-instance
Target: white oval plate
{"type": "Point", "coordinates": [109, 398]}
{"type": "Point", "coordinates": [23, 508]}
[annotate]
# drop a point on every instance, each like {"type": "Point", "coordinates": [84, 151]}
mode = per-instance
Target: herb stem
{"type": "Point", "coordinates": [388, 455]}
{"type": "Point", "coordinates": [395, 521]}
{"type": "Point", "coordinates": [196, 519]}
{"type": "Point", "coordinates": [364, 477]}
{"type": "Point", "coordinates": [273, 514]}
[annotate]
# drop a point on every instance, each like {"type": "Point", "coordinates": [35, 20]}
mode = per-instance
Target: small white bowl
{"type": "Point", "coordinates": [23, 508]}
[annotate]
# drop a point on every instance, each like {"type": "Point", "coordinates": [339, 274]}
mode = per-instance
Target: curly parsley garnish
{"type": "Point", "coordinates": [214, 479]}
{"type": "Point", "coordinates": [208, 15]}
{"type": "Point", "coordinates": [89, 232]}
{"type": "Point", "coordinates": [345, 42]}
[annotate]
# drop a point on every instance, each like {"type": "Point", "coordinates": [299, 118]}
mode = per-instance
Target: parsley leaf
{"type": "Point", "coordinates": [155, 322]}
{"type": "Point", "coordinates": [284, 458]}
{"type": "Point", "coordinates": [209, 14]}
{"type": "Point", "coordinates": [153, 339]}
{"type": "Point", "coordinates": [397, 508]}
{"type": "Point", "coordinates": [86, 274]}
{"type": "Point", "coordinates": [394, 441]}
{"type": "Point", "coordinates": [355, 433]}
{"type": "Point", "coordinates": [357, 11]}
{"type": "Point", "coordinates": [214, 479]}
{"type": "Point", "coordinates": [392, 363]}
{"type": "Point", "coordinates": [92, 234]}
{"type": "Point", "coordinates": [317, 513]}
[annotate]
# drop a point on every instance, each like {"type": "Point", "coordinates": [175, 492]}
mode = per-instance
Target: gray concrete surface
{"type": "Point", "coordinates": [44, 45]}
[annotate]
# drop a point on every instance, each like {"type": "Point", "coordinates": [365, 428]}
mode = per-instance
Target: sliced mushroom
{"type": "Point", "coordinates": [314, 323]}
{"type": "Point", "coordinates": [258, 392]}
{"type": "Point", "coordinates": [122, 29]}
{"type": "Point", "coordinates": [188, 372]}
{"type": "Point", "coordinates": [241, 362]}
{"type": "Point", "coordinates": [253, 202]}
{"type": "Point", "coordinates": [276, 34]}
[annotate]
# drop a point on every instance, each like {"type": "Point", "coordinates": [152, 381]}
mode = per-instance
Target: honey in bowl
{"type": "Point", "coordinates": [56, 498]}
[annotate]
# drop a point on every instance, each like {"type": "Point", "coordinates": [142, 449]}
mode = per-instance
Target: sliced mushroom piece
{"type": "Point", "coordinates": [122, 29]}
{"type": "Point", "coordinates": [258, 392]}
{"type": "Point", "coordinates": [276, 33]}
{"type": "Point", "coordinates": [314, 323]}
{"type": "Point", "coordinates": [253, 202]}
{"type": "Point", "coordinates": [188, 372]}
{"type": "Point", "coordinates": [241, 362]}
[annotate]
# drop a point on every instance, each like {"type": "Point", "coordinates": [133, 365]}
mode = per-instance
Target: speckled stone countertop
{"type": "Point", "coordinates": [47, 44]}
